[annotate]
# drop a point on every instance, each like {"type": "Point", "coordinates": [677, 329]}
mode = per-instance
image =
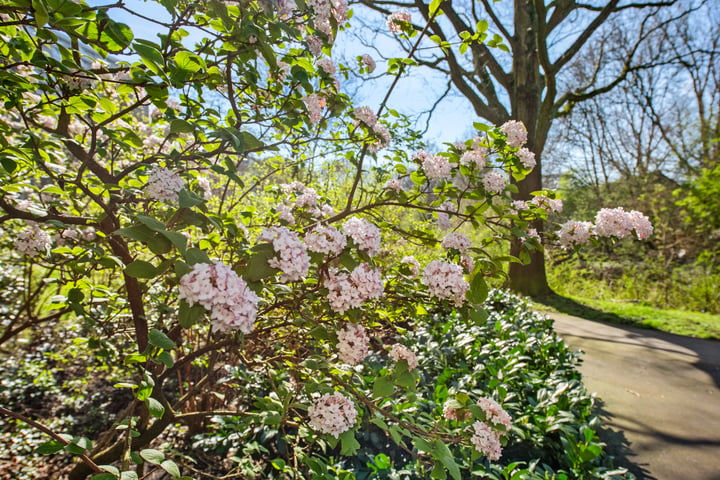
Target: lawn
{"type": "Point", "coordinates": [680, 322]}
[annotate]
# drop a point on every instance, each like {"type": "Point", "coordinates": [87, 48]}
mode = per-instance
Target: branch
{"type": "Point", "coordinates": [88, 462]}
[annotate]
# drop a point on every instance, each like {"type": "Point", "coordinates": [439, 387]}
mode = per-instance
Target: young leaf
{"type": "Point", "coordinates": [159, 339]}
{"type": "Point", "coordinates": [153, 456]}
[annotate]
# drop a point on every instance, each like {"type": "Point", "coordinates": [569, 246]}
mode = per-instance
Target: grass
{"type": "Point", "coordinates": [679, 322]}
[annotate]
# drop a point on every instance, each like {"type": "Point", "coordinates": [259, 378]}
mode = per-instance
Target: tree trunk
{"type": "Point", "coordinates": [526, 105]}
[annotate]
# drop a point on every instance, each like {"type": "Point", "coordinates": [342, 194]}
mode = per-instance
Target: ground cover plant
{"type": "Point", "coordinates": [200, 237]}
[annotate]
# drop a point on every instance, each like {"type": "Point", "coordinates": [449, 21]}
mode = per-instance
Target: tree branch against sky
{"type": "Point", "coordinates": [524, 80]}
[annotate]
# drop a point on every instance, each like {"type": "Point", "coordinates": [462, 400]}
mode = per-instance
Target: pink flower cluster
{"type": "Point", "coordinates": [365, 115]}
{"type": "Point", "coordinates": [616, 222]}
{"type": "Point", "coordinates": [369, 63]}
{"type": "Point", "coordinates": [412, 264]}
{"type": "Point", "coordinates": [434, 166]}
{"type": "Point", "coordinates": [493, 182]}
{"type": "Point", "coordinates": [486, 441]}
{"type": "Point", "coordinates": [574, 233]}
{"type": "Point", "coordinates": [333, 414]}
{"type": "Point", "coordinates": [314, 105]}
{"type": "Point", "coordinates": [395, 19]}
{"type": "Point", "coordinates": [456, 240]}
{"type": "Point", "coordinates": [365, 235]}
{"type": "Point", "coordinates": [325, 239]}
{"type": "Point", "coordinates": [221, 291]}
{"type": "Point", "coordinates": [346, 291]}
{"type": "Point", "coordinates": [549, 204]}
{"type": "Point", "coordinates": [353, 343]}
{"type": "Point", "coordinates": [401, 352]}
{"type": "Point", "coordinates": [32, 241]}
{"type": "Point", "coordinates": [445, 280]}
{"type": "Point", "coordinates": [527, 158]}
{"type": "Point", "coordinates": [164, 185]}
{"type": "Point", "coordinates": [450, 412]}
{"type": "Point", "coordinates": [292, 258]}
{"type": "Point", "coordinates": [515, 133]}
{"type": "Point", "coordinates": [477, 156]}
{"type": "Point", "coordinates": [495, 414]}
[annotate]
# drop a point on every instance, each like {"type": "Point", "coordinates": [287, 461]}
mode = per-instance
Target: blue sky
{"type": "Point", "coordinates": [452, 120]}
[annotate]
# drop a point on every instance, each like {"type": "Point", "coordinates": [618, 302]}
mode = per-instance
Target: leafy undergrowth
{"type": "Point", "coordinates": [679, 322]}
{"type": "Point", "coordinates": [513, 356]}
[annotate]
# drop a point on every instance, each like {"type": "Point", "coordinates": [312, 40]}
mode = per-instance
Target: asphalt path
{"type": "Point", "coordinates": [659, 393]}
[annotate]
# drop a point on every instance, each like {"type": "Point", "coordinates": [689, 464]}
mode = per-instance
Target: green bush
{"type": "Point", "coordinates": [513, 356]}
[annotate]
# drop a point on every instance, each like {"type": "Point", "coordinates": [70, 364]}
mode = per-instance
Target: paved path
{"type": "Point", "coordinates": [660, 396]}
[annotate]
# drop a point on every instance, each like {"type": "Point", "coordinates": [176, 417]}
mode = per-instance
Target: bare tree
{"type": "Point", "coordinates": [543, 38]}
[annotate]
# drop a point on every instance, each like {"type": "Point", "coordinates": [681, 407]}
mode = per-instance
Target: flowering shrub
{"type": "Point", "coordinates": [187, 187]}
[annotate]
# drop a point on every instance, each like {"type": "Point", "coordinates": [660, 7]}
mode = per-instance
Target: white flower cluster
{"type": "Point", "coordinates": [369, 63]}
{"type": "Point", "coordinates": [394, 185]}
{"type": "Point", "coordinates": [434, 166]}
{"type": "Point", "coordinates": [456, 240]}
{"type": "Point", "coordinates": [412, 264]}
{"type": "Point", "coordinates": [327, 66]}
{"type": "Point", "coordinates": [365, 235]}
{"type": "Point", "coordinates": [493, 182]}
{"type": "Point", "coordinates": [164, 185]}
{"type": "Point", "coordinates": [292, 258]}
{"type": "Point", "coordinates": [573, 232]}
{"type": "Point", "coordinates": [515, 133]}
{"type": "Point", "coordinates": [495, 414]}
{"type": "Point", "coordinates": [32, 241]}
{"type": "Point", "coordinates": [346, 291]}
{"type": "Point", "coordinates": [220, 290]}
{"type": "Point", "coordinates": [549, 204]}
{"type": "Point", "coordinates": [365, 115]}
{"type": "Point", "coordinates": [616, 222]}
{"type": "Point", "coordinates": [353, 344]}
{"type": "Point", "coordinates": [332, 414]}
{"type": "Point", "coordinates": [445, 280]}
{"type": "Point", "coordinates": [527, 158]}
{"type": "Point", "coordinates": [477, 156]}
{"type": "Point", "coordinates": [401, 352]}
{"type": "Point", "coordinates": [304, 197]}
{"type": "Point", "coordinates": [486, 441]}
{"type": "Point", "coordinates": [314, 105]}
{"type": "Point", "coordinates": [325, 239]}
{"type": "Point", "coordinates": [394, 20]}
{"type": "Point", "coordinates": [443, 217]}
{"type": "Point", "coordinates": [315, 45]}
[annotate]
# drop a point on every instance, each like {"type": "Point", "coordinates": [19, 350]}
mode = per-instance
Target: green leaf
{"type": "Point", "coordinates": [166, 359]}
{"type": "Point", "coordinates": [177, 239]}
{"type": "Point", "coordinates": [151, 223]}
{"type": "Point", "coordinates": [159, 339]}
{"type": "Point", "coordinates": [189, 316]}
{"type": "Point", "coordinates": [105, 476]}
{"type": "Point", "coordinates": [438, 472]}
{"type": "Point", "coordinates": [188, 199]}
{"type": "Point", "coordinates": [151, 55]}
{"type": "Point", "coordinates": [41, 14]}
{"type": "Point", "coordinates": [383, 387]}
{"type": "Point", "coordinates": [443, 453]}
{"type": "Point", "coordinates": [141, 269]}
{"type": "Point", "coordinates": [50, 447]}
{"type": "Point", "coordinates": [257, 267]}
{"type": "Point", "coordinates": [350, 445]}
{"type": "Point", "coordinates": [189, 61]}
{"type": "Point", "coordinates": [140, 233]}
{"type": "Point", "coordinates": [195, 255]}
{"type": "Point", "coordinates": [155, 408]}
{"type": "Point", "coordinates": [171, 467]}
{"type": "Point", "coordinates": [153, 456]}
{"type": "Point", "coordinates": [129, 476]}
{"type": "Point", "coordinates": [478, 289]}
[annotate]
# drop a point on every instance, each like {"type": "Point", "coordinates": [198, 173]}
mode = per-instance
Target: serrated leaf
{"type": "Point", "coordinates": [159, 339]}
